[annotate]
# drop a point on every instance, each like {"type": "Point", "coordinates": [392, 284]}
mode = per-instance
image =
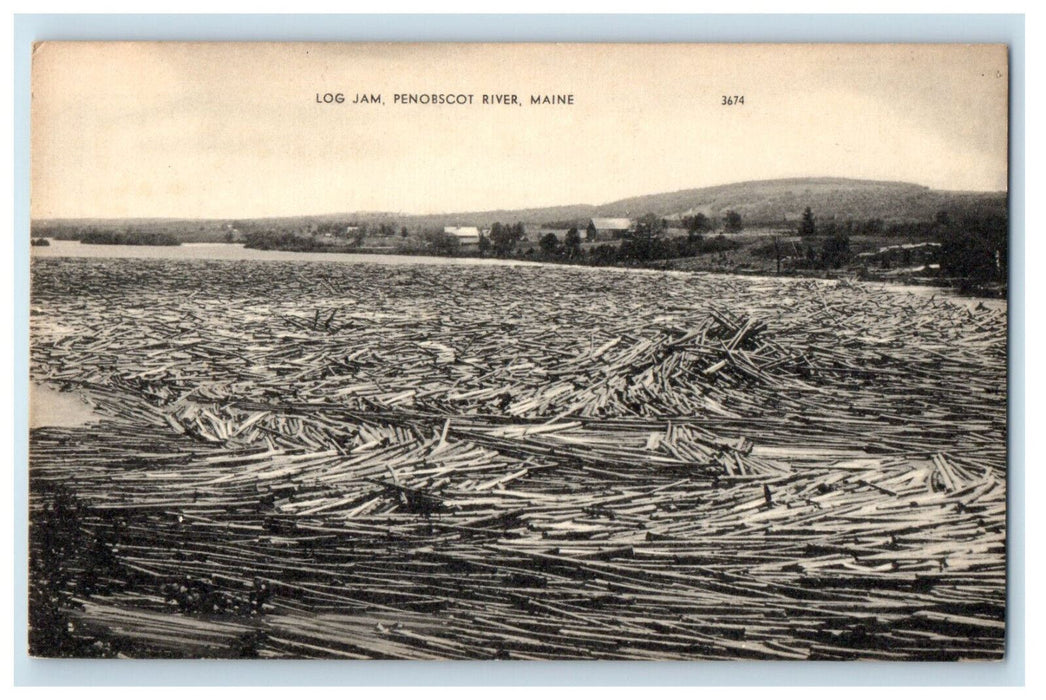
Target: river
{"type": "Point", "coordinates": [236, 251]}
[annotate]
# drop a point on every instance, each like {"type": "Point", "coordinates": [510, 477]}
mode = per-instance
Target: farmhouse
{"type": "Point", "coordinates": [466, 235]}
{"type": "Point", "coordinates": [608, 228]}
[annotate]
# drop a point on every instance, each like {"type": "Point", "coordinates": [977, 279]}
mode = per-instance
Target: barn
{"type": "Point", "coordinates": [607, 228]}
{"type": "Point", "coordinates": [466, 235]}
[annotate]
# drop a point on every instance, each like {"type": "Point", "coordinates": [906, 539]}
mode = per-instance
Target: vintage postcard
{"type": "Point", "coordinates": [519, 351]}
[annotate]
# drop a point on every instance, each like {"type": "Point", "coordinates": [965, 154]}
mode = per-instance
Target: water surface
{"type": "Point", "coordinates": [236, 251]}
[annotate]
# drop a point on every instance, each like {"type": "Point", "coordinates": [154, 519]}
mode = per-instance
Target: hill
{"type": "Point", "coordinates": [772, 201]}
{"type": "Point", "coordinates": [759, 202]}
{"type": "Point", "coordinates": [767, 202]}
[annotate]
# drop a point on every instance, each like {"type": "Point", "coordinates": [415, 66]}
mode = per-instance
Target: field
{"type": "Point", "coordinates": [362, 461]}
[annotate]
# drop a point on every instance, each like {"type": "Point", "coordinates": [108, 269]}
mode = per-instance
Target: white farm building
{"type": "Point", "coordinates": [466, 235]}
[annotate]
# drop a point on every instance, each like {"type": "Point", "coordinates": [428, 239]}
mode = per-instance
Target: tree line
{"type": "Point", "coordinates": [131, 237]}
{"type": "Point", "coordinates": [973, 248]}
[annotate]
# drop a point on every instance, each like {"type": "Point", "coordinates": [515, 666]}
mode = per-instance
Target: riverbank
{"type": "Point", "coordinates": [746, 253]}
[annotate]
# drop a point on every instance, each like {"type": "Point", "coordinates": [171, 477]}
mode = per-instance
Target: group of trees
{"type": "Point", "coordinates": [974, 251]}
{"type": "Point", "coordinates": [650, 224]}
{"type": "Point", "coordinates": [504, 237]}
{"type": "Point", "coordinates": [733, 223]}
{"type": "Point", "coordinates": [830, 252]}
{"type": "Point", "coordinates": [129, 237]}
{"type": "Point", "coordinates": [350, 232]}
{"type": "Point", "coordinates": [57, 231]}
{"type": "Point", "coordinates": [700, 223]}
{"type": "Point", "coordinates": [440, 243]}
{"type": "Point", "coordinates": [645, 245]}
{"type": "Point", "coordinates": [835, 248]}
{"type": "Point", "coordinates": [569, 248]}
{"type": "Point", "coordinates": [835, 251]}
{"type": "Point", "coordinates": [646, 248]}
{"type": "Point", "coordinates": [655, 224]}
{"type": "Point", "coordinates": [324, 228]}
{"type": "Point", "coordinates": [809, 225]}
{"type": "Point", "coordinates": [270, 239]}
{"type": "Point", "coordinates": [102, 235]}
{"type": "Point", "coordinates": [501, 241]}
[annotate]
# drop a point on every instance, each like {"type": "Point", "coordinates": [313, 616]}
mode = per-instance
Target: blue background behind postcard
{"type": "Point", "coordinates": [1008, 29]}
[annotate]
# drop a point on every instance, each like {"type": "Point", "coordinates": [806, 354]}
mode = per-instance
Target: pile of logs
{"type": "Point", "coordinates": [309, 459]}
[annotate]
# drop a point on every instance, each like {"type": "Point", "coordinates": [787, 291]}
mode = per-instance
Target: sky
{"type": "Point", "coordinates": [220, 130]}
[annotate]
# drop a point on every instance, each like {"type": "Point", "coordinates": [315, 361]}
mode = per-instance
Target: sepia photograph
{"type": "Point", "coordinates": [520, 351]}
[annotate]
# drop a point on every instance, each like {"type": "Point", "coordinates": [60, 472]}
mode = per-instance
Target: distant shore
{"type": "Point", "coordinates": [703, 263]}
{"type": "Point", "coordinates": [61, 248]}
